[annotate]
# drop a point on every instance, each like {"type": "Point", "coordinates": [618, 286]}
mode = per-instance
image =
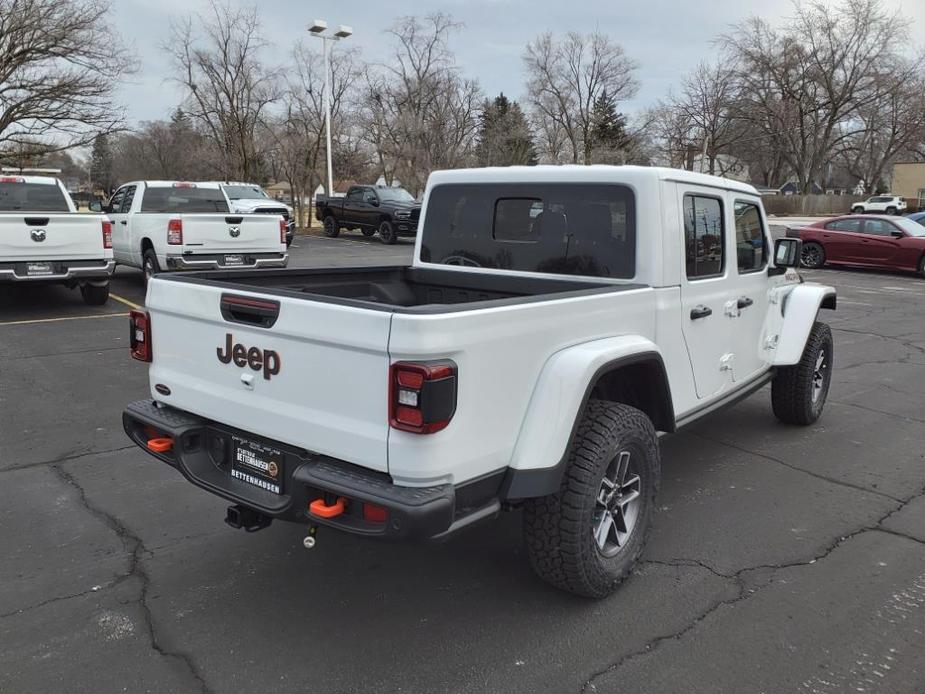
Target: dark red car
{"type": "Point", "coordinates": [868, 240]}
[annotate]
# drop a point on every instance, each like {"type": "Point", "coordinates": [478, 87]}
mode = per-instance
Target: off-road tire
{"type": "Point", "coordinates": [387, 233]}
{"type": "Point", "coordinates": [558, 528]}
{"type": "Point", "coordinates": [793, 386]}
{"type": "Point", "coordinates": [331, 230]}
{"type": "Point", "coordinates": [149, 265]}
{"type": "Point", "coordinates": [368, 232]}
{"type": "Point", "coordinates": [812, 256]}
{"type": "Point", "coordinates": [94, 295]}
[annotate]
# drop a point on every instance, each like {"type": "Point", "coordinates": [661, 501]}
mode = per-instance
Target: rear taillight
{"type": "Point", "coordinates": [12, 179]}
{"type": "Point", "coordinates": [175, 232]}
{"type": "Point", "coordinates": [107, 234]}
{"type": "Point", "coordinates": [422, 395]}
{"type": "Point", "coordinates": [140, 335]}
{"type": "Point", "coordinates": [282, 230]}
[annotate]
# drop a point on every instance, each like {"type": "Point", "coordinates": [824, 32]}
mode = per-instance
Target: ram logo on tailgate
{"type": "Point", "coordinates": [254, 357]}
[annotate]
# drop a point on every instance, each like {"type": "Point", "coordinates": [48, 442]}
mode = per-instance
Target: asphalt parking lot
{"type": "Point", "coordinates": [781, 559]}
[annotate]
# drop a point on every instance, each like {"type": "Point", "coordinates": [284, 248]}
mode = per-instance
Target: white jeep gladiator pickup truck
{"type": "Point", "coordinates": [175, 225]}
{"type": "Point", "coordinates": [553, 321]}
{"type": "Point", "coordinates": [44, 239]}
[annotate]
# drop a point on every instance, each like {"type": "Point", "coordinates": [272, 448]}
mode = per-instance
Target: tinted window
{"type": "Point", "coordinates": [369, 196]}
{"type": "Point", "coordinates": [751, 249]}
{"type": "Point", "coordinates": [245, 193]}
{"type": "Point", "coordinates": [844, 225]}
{"type": "Point", "coordinates": [878, 227]}
{"type": "Point", "coordinates": [115, 202]}
{"type": "Point", "coordinates": [568, 229]}
{"type": "Point", "coordinates": [355, 194]}
{"type": "Point", "coordinates": [703, 236]}
{"type": "Point", "coordinates": [32, 197]}
{"type": "Point", "coordinates": [179, 199]}
{"type": "Point", "coordinates": [127, 200]}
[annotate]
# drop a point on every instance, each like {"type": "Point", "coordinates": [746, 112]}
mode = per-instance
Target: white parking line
{"type": "Point", "coordinates": [63, 318]}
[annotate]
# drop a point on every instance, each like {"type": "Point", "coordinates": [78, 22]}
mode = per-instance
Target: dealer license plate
{"type": "Point", "coordinates": [39, 269]}
{"type": "Point", "coordinates": [234, 260]}
{"type": "Point", "coordinates": [256, 464]}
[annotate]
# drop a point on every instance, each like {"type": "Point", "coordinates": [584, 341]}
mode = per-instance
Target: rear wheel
{"type": "Point", "coordinates": [586, 537]}
{"type": "Point", "coordinates": [798, 392]}
{"type": "Point", "coordinates": [94, 295]}
{"type": "Point", "coordinates": [149, 264]}
{"type": "Point", "coordinates": [891, 210]}
{"type": "Point", "coordinates": [813, 255]}
{"type": "Point", "coordinates": [922, 266]}
{"type": "Point", "coordinates": [387, 233]}
{"type": "Point", "coordinates": [331, 230]}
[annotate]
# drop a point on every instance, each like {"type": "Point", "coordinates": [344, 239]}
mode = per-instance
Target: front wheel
{"type": "Point", "coordinates": [798, 392]}
{"type": "Point", "coordinates": [586, 537]}
{"type": "Point", "coordinates": [891, 211]}
{"type": "Point", "coordinates": [922, 266]}
{"type": "Point", "coordinates": [813, 256]}
{"type": "Point", "coordinates": [387, 233]}
{"type": "Point", "coordinates": [857, 210]}
{"type": "Point", "coordinates": [94, 295]}
{"type": "Point", "coordinates": [331, 230]}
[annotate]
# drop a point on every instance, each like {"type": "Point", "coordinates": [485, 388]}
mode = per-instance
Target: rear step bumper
{"type": "Point", "coordinates": [61, 270]}
{"type": "Point", "coordinates": [201, 451]}
{"type": "Point", "coordinates": [216, 261]}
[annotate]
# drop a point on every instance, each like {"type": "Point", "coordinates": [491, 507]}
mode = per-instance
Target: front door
{"type": "Point", "coordinates": [877, 244]}
{"type": "Point", "coordinates": [707, 287]}
{"type": "Point", "coordinates": [750, 331]}
{"type": "Point", "coordinates": [120, 243]}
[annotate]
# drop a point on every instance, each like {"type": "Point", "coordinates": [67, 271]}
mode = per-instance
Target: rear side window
{"type": "Point", "coordinates": [32, 197]}
{"type": "Point", "coordinates": [179, 200]}
{"type": "Point", "coordinates": [751, 248]}
{"type": "Point", "coordinates": [853, 225]}
{"type": "Point", "coordinates": [703, 236]}
{"type": "Point", "coordinates": [559, 228]}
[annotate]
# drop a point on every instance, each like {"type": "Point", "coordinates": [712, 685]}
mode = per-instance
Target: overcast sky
{"type": "Point", "coordinates": [666, 37]}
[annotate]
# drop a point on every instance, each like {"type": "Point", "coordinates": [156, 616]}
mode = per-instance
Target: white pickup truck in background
{"type": "Point", "coordinates": [44, 239]}
{"type": "Point", "coordinates": [249, 198]}
{"type": "Point", "coordinates": [175, 225]}
{"type": "Point", "coordinates": [554, 320]}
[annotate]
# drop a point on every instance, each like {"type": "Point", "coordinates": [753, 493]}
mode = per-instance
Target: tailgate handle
{"type": "Point", "coordinates": [233, 220]}
{"type": "Point", "coordinates": [37, 221]}
{"type": "Point", "coordinates": [261, 313]}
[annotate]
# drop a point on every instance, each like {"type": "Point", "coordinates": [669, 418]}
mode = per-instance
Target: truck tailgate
{"type": "Point", "coordinates": [232, 233]}
{"type": "Point", "coordinates": [329, 392]}
{"type": "Point", "coordinates": [51, 236]}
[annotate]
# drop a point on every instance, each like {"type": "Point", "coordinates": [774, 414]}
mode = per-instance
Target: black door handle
{"type": "Point", "coordinates": [745, 302]}
{"type": "Point", "coordinates": [701, 312]}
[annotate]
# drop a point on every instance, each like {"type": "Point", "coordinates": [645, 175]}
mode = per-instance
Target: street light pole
{"type": "Point", "coordinates": [317, 29]}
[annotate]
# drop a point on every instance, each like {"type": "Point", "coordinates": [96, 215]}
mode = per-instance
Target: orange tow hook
{"type": "Point", "coordinates": [160, 445]}
{"type": "Point", "coordinates": [322, 510]}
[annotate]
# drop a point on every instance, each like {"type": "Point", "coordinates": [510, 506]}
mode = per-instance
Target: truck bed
{"type": "Point", "coordinates": [402, 289]}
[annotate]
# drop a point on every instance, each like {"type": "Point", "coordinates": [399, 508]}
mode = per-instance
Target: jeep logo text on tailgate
{"type": "Point", "coordinates": [254, 357]}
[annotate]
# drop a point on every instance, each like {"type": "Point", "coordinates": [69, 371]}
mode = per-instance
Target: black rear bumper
{"type": "Point", "coordinates": [201, 452]}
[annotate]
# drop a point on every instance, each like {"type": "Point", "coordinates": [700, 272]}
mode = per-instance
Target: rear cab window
{"type": "Point", "coordinates": [16, 195]}
{"type": "Point", "coordinates": [183, 199]}
{"type": "Point", "coordinates": [557, 228]}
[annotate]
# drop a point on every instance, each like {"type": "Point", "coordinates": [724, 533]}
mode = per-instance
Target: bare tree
{"type": "Point", "coordinates": [564, 80]}
{"type": "Point", "coordinates": [228, 89]}
{"type": "Point", "coordinates": [170, 149]}
{"type": "Point", "coordinates": [420, 114]}
{"type": "Point", "coordinates": [799, 84]}
{"type": "Point", "coordinates": [673, 134]}
{"type": "Point", "coordinates": [58, 62]}
{"type": "Point", "coordinates": [893, 125]}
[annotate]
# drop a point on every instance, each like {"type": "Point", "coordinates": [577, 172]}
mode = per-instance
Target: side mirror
{"type": "Point", "coordinates": [897, 234]}
{"type": "Point", "coordinates": [95, 206]}
{"type": "Point", "coordinates": [787, 252]}
{"type": "Point", "coordinates": [374, 202]}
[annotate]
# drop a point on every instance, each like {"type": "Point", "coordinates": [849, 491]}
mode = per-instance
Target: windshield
{"type": "Point", "coordinates": [910, 227]}
{"type": "Point", "coordinates": [395, 194]}
{"type": "Point", "coordinates": [32, 197]}
{"type": "Point", "coordinates": [245, 193]}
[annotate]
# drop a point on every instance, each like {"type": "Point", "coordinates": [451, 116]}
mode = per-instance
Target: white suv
{"type": "Point", "coordinates": [884, 204]}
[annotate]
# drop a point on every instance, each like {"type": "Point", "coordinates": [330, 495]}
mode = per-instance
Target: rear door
{"type": "Point", "coordinates": [708, 285]}
{"type": "Point", "coordinates": [314, 377]}
{"type": "Point", "coordinates": [841, 238]}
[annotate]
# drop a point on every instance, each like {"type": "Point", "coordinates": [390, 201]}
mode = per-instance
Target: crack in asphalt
{"type": "Point", "coordinates": [745, 591]}
{"type": "Point", "coordinates": [904, 342]}
{"type": "Point", "coordinates": [797, 468]}
{"type": "Point", "coordinates": [876, 411]}
{"type": "Point", "coordinates": [64, 459]}
{"type": "Point", "coordinates": [64, 354]}
{"type": "Point", "coordinates": [135, 548]}
{"type": "Point", "coordinates": [95, 589]}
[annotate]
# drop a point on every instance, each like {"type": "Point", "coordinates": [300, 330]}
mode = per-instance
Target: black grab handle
{"type": "Point", "coordinates": [261, 313]}
{"type": "Point", "coordinates": [701, 312]}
